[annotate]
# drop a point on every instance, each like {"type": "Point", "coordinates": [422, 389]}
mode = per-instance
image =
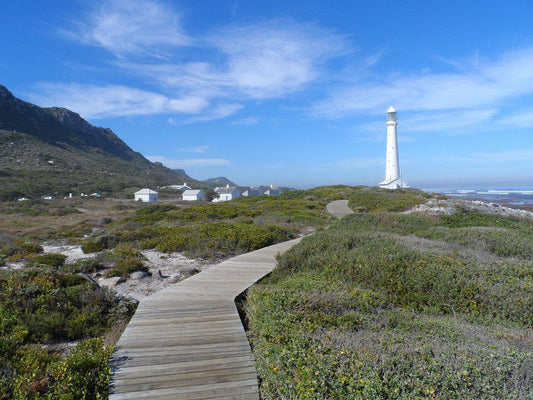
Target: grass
{"type": "Point", "coordinates": [362, 310]}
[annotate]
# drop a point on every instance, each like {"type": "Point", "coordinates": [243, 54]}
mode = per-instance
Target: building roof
{"type": "Point", "coordinates": [192, 192]}
{"type": "Point", "coordinates": [146, 191]}
{"type": "Point", "coordinates": [226, 190]}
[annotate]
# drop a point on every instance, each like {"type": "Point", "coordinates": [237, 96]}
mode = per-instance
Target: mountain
{"type": "Point", "coordinates": [220, 181]}
{"type": "Point", "coordinates": [55, 151]}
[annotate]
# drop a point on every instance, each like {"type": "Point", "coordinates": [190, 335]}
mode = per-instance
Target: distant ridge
{"type": "Point", "coordinates": [220, 181]}
{"type": "Point", "coordinates": [55, 151]}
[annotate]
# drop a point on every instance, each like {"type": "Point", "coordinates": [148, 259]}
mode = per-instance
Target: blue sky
{"type": "Point", "coordinates": [289, 92]}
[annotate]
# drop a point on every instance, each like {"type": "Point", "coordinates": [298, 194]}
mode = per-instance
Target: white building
{"type": "Point", "coordinates": [253, 191]}
{"type": "Point", "coordinates": [273, 191]}
{"type": "Point", "coordinates": [393, 179]}
{"type": "Point", "coordinates": [193, 195]}
{"type": "Point", "coordinates": [178, 187]}
{"type": "Point", "coordinates": [147, 196]}
{"type": "Point", "coordinates": [226, 193]}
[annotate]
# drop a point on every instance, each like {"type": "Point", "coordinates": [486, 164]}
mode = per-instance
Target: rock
{"type": "Point", "coordinates": [189, 271]}
{"type": "Point", "coordinates": [175, 278]}
{"type": "Point", "coordinates": [139, 275]}
{"type": "Point", "coordinates": [111, 282]}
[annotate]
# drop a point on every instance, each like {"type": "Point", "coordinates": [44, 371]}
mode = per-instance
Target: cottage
{"type": "Point", "coordinates": [181, 188]}
{"type": "Point", "coordinates": [193, 195]}
{"type": "Point", "coordinates": [226, 193]}
{"type": "Point", "coordinates": [273, 191]}
{"type": "Point", "coordinates": [147, 196]}
{"type": "Point", "coordinates": [252, 191]}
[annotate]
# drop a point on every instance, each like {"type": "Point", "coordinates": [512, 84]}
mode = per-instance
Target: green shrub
{"type": "Point", "coordinates": [20, 250]}
{"type": "Point", "coordinates": [85, 372]}
{"type": "Point", "coordinates": [386, 306]}
{"type": "Point", "coordinates": [54, 306]}
{"type": "Point", "coordinates": [93, 245]}
{"type": "Point", "coordinates": [125, 267]}
{"type": "Point", "coordinates": [87, 266]}
{"type": "Point", "coordinates": [224, 238]}
{"type": "Point", "coordinates": [51, 259]}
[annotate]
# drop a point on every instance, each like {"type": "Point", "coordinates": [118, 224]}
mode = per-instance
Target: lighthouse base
{"type": "Point", "coordinates": [394, 184]}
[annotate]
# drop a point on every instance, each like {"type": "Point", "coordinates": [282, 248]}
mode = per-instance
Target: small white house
{"type": "Point", "coordinates": [252, 191]}
{"type": "Point", "coordinates": [226, 193]}
{"type": "Point", "coordinates": [193, 195]}
{"type": "Point", "coordinates": [273, 191]}
{"type": "Point", "coordinates": [178, 187]}
{"type": "Point", "coordinates": [147, 196]}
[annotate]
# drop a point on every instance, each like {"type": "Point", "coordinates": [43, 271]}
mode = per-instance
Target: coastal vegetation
{"type": "Point", "coordinates": [58, 328]}
{"type": "Point", "coordinates": [398, 306]}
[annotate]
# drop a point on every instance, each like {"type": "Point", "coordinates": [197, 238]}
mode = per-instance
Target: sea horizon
{"type": "Point", "coordinates": [511, 195]}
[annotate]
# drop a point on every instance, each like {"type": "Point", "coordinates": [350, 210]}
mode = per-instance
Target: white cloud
{"type": "Point", "coordinates": [231, 64]}
{"type": "Point", "coordinates": [132, 27]}
{"type": "Point", "coordinates": [473, 87]}
{"type": "Point", "coordinates": [112, 100]}
{"type": "Point", "coordinates": [266, 60]}
{"type": "Point", "coordinates": [217, 112]}
{"type": "Point", "coordinates": [274, 58]}
{"type": "Point", "coordinates": [196, 149]}
{"type": "Point", "coordinates": [196, 162]}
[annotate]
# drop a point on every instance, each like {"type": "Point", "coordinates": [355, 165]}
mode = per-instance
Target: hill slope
{"type": "Point", "coordinates": [55, 151]}
{"type": "Point", "coordinates": [220, 181]}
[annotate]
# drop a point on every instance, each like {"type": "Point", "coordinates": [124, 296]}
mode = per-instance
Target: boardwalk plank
{"type": "Point", "coordinates": [187, 341]}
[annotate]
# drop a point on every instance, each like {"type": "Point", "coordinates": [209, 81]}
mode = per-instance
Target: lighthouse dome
{"type": "Point", "coordinates": [391, 109]}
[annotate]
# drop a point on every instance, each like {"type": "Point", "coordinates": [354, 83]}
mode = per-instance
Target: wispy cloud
{"type": "Point", "coordinates": [196, 149]}
{"type": "Point", "coordinates": [246, 121]}
{"type": "Point", "coordinates": [112, 100]}
{"type": "Point", "coordinates": [276, 57]}
{"type": "Point", "coordinates": [481, 85]}
{"type": "Point", "coordinates": [453, 122]}
{"type": "Point", "coordinates": [229, 65]}
{"type": "Point", "coordinates": [195, 162]}
{"type": "Point", "coordinates": [522, 119]}
{"type": "Point", "coordinates": [140, 27]}
{"type": "Point", "coordinates": [492, 158]}
{"type": "Point", "coordinates": [265, 60]}
{"type": "Point", "coordinates": [217, 112]}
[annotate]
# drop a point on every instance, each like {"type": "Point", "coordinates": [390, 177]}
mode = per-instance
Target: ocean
{"type": "Point", "coordinates": [514, 196]}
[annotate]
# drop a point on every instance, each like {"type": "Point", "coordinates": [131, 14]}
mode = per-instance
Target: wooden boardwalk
{"type": "Point", "coordinates": [187, 341]}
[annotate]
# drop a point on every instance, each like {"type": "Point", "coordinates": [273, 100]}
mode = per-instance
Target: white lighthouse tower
{"type": "Point", "coordinates": [393, 179]}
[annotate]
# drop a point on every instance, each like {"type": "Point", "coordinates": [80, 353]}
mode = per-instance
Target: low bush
{"type": "Point", "coordinates": [55, 306]}
{"type": "Point", "coordinates": [366, 309]}
{"type": "Point", "coordinates": [18, 250]}
{"type": "Point", "coordinates": [36, 374]}
{"type": "Point", "coordinates": [87, 266]}
{"type": "Point", "coordinates": [51, 259]}
{"type": "Point", "coordinates": [217, 238]}
{"type": "Point", "coordinates": [125, 267]}
{"type": "Point", "coordinates": [93, 245]}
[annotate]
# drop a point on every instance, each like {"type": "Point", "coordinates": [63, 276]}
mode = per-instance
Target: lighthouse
{"type": "Point", "coordinates": [393, 178]}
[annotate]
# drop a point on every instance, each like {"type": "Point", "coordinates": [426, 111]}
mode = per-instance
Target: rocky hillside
{"type": "Point", "coordinates": [55, 151]}
{"type": "Point", "coordinates": [220, 181]}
